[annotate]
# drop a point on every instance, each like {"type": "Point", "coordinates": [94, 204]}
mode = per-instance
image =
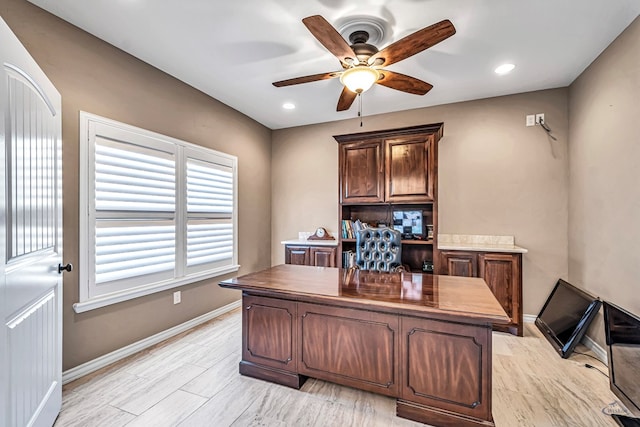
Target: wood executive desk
{"type": "Point", "coordinates": [424, 339]}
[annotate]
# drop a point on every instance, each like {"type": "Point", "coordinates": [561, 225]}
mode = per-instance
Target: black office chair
{"type": "Point", "coordinates": [379, 249]}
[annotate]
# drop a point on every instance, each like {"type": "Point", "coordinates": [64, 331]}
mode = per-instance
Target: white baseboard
{"type": "Point", "coordinates": [600, 352]}
{"type": "Point", "coordinates": [102, 361]}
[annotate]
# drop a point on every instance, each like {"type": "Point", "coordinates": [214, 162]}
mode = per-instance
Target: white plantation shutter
{"type": "Point", "coordinates": [209, 187]}
{"type": "Point", "coordinates": [210, 190]}
{"type": "Point", "coordinates": [209, 242]}
{"type": "Point", "coordinates": [134, 248]}
{"type": "Point", "coordinates": [156, 213]}
{"type": "Point", "coordinates": [132, 184]}
{"type": "Point", "coordinates": [130, 177]}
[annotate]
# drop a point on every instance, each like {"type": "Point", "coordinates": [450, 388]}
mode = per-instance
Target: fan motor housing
{"type": "Point", "coordinates": [361, 48]}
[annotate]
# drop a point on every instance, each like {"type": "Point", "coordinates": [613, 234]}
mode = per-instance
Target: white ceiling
{"type": "Point", "coordinates": [234, 50]}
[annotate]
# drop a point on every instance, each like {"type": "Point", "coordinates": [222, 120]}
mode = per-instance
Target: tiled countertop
{"type": "Point", "coordinates": [480, 243]}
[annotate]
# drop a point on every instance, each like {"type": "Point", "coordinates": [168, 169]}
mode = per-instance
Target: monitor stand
{"type": "Point", "coordinates": [625, 421]}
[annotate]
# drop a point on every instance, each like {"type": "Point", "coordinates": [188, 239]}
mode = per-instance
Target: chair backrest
{"type": "Point", "coordinates": [379, 249]}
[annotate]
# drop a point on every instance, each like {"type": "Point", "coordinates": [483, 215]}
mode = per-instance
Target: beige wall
{"type": "Point", "coordinates": [496, 176]}
{"type": "Point", "coordinates": [94, 76]}
{"type": "Point", "coordinates": [604, 184]}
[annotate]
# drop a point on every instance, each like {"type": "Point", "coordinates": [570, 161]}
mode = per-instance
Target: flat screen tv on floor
{"type": "Point", "coordinates": [622, 332]}
{"type": "Point", "coordinates": [565, 316]}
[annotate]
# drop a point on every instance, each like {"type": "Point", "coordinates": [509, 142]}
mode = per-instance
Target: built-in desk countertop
{"type": "Point", "coordinates": [424, 339]}
{"type": "Point", "coordinates": [307, 242]}
{"type": "Point", "coordinates": [467, 297]}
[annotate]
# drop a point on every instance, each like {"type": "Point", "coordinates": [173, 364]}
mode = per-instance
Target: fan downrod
{"type": "Point", "coordinates": [359, 36]}
{"type": "Point", "coordinates": [361, 48]}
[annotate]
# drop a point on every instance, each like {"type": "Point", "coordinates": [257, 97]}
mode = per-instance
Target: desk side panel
{"type": "Point", "coordinates": [447, 365]}
{"type": "Point", "coordinates": [268, 336]}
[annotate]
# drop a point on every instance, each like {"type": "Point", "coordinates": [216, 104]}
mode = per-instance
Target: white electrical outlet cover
{"type": "Point", "coordinates": [531, 120]}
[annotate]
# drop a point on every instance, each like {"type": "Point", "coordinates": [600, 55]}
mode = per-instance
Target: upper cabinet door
{"type": "Point", "coordinates": [409, 169]}
{"type": "Point", "coordinates": [361, 172]}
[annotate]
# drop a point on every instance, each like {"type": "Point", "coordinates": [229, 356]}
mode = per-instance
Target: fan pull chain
{"type": "Point", "coordinates": [360, 107]}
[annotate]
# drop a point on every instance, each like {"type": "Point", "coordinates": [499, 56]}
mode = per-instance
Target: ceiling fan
{"type": "Point", "coordinates": [362, 62]}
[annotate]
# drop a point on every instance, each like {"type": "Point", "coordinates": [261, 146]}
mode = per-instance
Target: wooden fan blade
{"type": "Point", "coordinates": [403, 83]}
{"type": "Point", "coordinates": [329, 37]}
{"type": "Point", "coordinates": [415, 43]}
{"type": "Point", "coordinates": [346, 99]}
{"type": "Point", "coordinates": [307, 79]}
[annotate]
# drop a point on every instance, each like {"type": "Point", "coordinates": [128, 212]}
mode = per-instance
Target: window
{"type": "Point", "coordinates": [155, 212]}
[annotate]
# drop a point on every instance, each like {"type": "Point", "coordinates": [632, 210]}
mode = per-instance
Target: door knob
{"type": "Point", "coordinates": [62, 268]}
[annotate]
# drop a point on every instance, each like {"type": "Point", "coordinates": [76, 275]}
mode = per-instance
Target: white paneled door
{"type": "Point", "coordinates": [31, 240]}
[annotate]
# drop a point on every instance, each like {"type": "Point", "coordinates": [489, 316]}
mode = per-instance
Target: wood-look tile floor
{"type": "Point", "coordinates": [192, 380]}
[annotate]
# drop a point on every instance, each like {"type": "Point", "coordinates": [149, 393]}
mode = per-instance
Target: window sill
{"type": "Point", "coordinates": [116, 297]}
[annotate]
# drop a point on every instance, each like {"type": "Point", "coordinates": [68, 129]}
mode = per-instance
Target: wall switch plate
{"type": "Point", "coordinates": [539, 118]}
{"type": "Point", "coordinates": [531, 120]}
{"type": "Point", "coordinates": [177, 297]}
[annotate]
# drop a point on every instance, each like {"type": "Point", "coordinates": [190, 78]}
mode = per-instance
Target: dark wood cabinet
{"type": "Point", "coordinates": [409, 169]}
{"type": "Point", "coordinates": [503, 274]}
{"type": "Point", "coordinates": [456, 263]}
{"type": "Point", "coordinates": [297, 255]}
{"type": "Point", "coordinates": [501, 271]}
{"type": "Point", "coordinates": [388, 166]}
{"type": "Point", "coordinates": [335, 344]}
{"type": "Point", "coordinates": [429, 346]}
{"type": "Point", "coordinates": [269, 336]}
{"type": "Point", "coordinates": [317, 256]}
{"type": "Point", "coordinates": [362, 175]}
{"type": "Point", "coordinates": [386, 171]}
{"type": "Point", "coordinates": [323, 256]}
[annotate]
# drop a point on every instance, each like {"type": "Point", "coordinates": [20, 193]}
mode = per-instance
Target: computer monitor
{"type": "Point", "coordinates": [409, 223]}
{"type": "Point", "coordinates": [622, 333]}
{"type": "Point", "coordinates": [566, 315]}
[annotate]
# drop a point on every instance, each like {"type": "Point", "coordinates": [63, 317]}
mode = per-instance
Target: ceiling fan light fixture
{"type": "Point", "coordinates": [361, 61]}
{"type": "Point", "coordinates": [359, 79]}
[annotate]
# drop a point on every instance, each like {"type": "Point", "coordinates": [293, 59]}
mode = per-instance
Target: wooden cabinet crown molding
{"type": "Point", "coordinates": [436, 129]}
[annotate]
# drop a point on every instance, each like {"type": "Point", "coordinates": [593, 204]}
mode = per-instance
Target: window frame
{"type": "Point", "coordinates": [91, 126]}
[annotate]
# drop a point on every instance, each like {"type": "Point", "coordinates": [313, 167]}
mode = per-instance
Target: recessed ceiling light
{"type": "Point", "coordinates": [288, 106]}
{"type": "Point", "coordinates": [504, 69]}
